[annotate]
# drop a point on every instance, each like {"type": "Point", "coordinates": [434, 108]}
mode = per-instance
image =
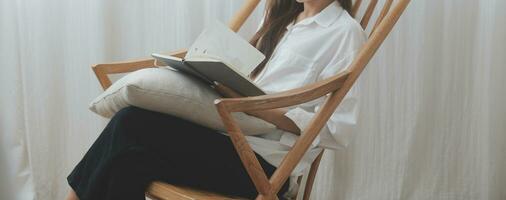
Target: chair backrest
{"type": "Point", "coordinates": [384, 23]}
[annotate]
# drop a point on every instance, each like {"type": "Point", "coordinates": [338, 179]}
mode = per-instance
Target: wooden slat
{"type": "Point", "coordinates": [164, 191]}
{"type": "Point", "coordinates": [287, 98]}
{"type": "Point", "coordinates": [242, 15]}
{"type": "Point", "coordinates": [311, 176]}
{"type": "Point", "coordinates": [246, 154]}
{"type": "Point", "coordinates": [384, 12]}
{"type": "Point", "coordinates": [355, 7]}
{"type": "Point", "coordinates": [368, 13]}
{"type": "Point", "coordinates": [102, 70]}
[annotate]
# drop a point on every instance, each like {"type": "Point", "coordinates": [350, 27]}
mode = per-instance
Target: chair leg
{"type": "Point", "coordinates": [311, 177]}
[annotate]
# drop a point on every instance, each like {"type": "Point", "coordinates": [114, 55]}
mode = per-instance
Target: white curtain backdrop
{"type": "Point", "coordinates": [433, 123]}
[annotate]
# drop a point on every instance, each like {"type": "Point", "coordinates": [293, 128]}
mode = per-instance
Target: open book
{"type": "Point", "coordinates": [220, 55]}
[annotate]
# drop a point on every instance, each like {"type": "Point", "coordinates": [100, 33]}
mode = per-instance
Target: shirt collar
{"type": "Point", "coordinates": [324, 18]}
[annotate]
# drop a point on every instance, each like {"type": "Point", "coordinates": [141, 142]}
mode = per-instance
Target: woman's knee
{"type": "Point", "coordinates": [140, 121]}
{"type": "Point", "coordinates": [128, 120]}
{"type": "Point", "coordinates": [129, 115]}
{"type": "Point", "coordinates": [128, 111]}
{"type": "Point", "coordinates": [134, 121]}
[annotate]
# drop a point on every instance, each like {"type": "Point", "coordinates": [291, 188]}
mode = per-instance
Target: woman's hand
{"type": "Point", "coordinates": [274, 116]}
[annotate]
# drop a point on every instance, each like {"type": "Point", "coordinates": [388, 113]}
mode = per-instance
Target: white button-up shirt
{"type": "Point", "coordinates": [311, 50]}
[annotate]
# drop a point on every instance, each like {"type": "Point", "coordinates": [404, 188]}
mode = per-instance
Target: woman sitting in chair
{"type": "Point", "coordinates": [304, 41]}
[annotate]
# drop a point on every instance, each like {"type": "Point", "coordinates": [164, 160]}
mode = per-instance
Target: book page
{"type": "Point", "coordinates": [217, 41]}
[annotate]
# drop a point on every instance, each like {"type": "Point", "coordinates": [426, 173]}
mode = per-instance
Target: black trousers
{"type": "Point", "coordinates": [140, 146]}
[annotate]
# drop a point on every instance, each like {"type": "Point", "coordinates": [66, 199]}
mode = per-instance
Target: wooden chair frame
{"type": "Point", "coordinates": [337, 86]}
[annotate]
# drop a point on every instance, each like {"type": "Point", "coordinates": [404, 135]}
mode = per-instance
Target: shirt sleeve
{"type": "Point", "coordinates": [342, 124]}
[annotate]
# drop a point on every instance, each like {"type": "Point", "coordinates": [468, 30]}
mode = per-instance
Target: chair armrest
{"type": "Point", "coordinates": [102, 70]}
{"type": "Point", "coordinates": [225, 106]}
{"type": "Point", "coordinates": [284, 99]}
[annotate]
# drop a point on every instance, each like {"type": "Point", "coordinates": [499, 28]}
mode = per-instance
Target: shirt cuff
{"type": "Point", "coordinates": [301, 118]}
{"type": "Point", "coordinates": [336, 135]}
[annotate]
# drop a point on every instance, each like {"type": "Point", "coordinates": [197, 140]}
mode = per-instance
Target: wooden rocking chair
{"type": "Point", "coordinates": [337, 86]}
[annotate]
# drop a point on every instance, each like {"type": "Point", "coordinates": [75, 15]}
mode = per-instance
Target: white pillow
{"type": "Point", "coordinates": [167, 91]}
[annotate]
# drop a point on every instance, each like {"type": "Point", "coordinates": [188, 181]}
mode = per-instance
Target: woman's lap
{"type": "Point", "coordinates": [140, 146]}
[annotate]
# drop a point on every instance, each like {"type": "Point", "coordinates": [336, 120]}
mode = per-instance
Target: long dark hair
{"type": "Point", "coordinates": [278, 14]}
